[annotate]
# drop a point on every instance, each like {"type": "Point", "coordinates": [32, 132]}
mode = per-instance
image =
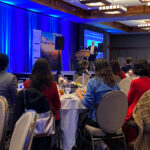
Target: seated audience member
{"type": "Point", "coordinates": [82, 67]}
{"type": "Point", "coordinates": [103, 82]}
{"type": "Point", "coordinates": [41, 79]}
{"type": "Point", "coordinates": [128, 65]}
{"type": "Point", "coordinates": [116, 69]}
{"type": "Point", "coordinates": [138, 86]}
{"type": "Point", "coordinates": [8, 87]}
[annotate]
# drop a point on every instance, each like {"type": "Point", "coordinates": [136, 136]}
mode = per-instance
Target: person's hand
{"type": "Point", "coordinates": [79, 93]}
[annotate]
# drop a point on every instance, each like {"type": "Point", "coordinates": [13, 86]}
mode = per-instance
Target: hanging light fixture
{"type": "Point", "coordinates": [144, 1]}
{"type": "Point", "coordinates": [144, 25]}
{"type": "Point", "coordinates": [148, 3]}
{"type": "Point", "coordinates": [93, 3]}
{"type": "Point", "coordinates": [113, 9]}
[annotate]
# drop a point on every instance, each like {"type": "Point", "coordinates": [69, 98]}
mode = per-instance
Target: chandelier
{"type": "Point", "coordinates": [113, 9]}
{"type": "Point", "coordinates": [105, 6]}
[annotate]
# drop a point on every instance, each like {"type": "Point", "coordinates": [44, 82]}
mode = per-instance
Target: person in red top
{"type": "Point", "coordinates": [138, 86]}
{"type": "Point", "coordinates": [116, 69]}
{"type": "Point", "coordinates": [42, 79]}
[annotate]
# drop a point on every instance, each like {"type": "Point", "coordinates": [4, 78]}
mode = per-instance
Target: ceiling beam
{"type": "Point", "coordinates": [131, 11]}
{"type": "Point", "coordinates": [120, 26]}
{"type": "Point", "coordinates": [95, 15]}
{"type": "Point", "coordinates": [64, 7]}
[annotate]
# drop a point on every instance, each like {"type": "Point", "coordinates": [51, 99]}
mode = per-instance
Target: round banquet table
{"type": "Point", "coordinates": [71, 106]}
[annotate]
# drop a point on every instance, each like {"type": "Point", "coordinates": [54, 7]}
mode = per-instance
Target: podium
{"type": "Point", "coordinates": [81, 54]}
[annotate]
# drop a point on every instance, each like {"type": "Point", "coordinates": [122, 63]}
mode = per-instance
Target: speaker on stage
{"type": "Point", "coordinates": [59, 42]}
{"type": "Point", "coordinates": [100, 47]}
{"type": "Point", "coordinates": [59, 45]}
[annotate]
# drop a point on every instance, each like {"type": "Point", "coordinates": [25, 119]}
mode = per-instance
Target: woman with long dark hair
{"type": "Point", "coordinates": [103, 82]}
{"type": "Point", "coordinates": [41, 80]}
{"type": "Point", "coordinates": [116, 69]}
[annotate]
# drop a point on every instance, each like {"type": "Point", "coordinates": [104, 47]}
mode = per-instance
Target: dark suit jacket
{"type": "Point", "coordinates": [126, 68]}
{"type": "Point", "coordinates": [8, 89]}
{"type": "Point", "coordinates": [8, 86]}
{"type": "Point", "coordinates": [95, 50]}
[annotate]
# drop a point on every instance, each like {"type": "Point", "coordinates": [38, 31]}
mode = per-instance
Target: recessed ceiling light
{"type": "Point", "coordinates": [148, 3]}
{"type": "Point", "coordinates": [112, 12]}
{"type": "Point", "coordinates": [95, 2]}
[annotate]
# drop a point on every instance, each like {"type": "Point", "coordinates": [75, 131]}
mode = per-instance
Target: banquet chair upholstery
{"type": "Point", "coordinates": [110, 114]}
{"type": "Point", "coordinates": [141, 115]}
{"type": "Point", "coordinates": [23, 132]}
{"type": "Point", "coordinates": [125, 85]}
{"type": "Point", "coordinates": [4, 115]}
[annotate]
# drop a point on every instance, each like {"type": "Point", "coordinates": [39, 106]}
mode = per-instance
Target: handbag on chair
{"type": "Point", "coordinates": [45, 123]}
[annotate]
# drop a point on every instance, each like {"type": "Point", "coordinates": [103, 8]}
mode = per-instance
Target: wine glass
{"type": "Point", "coordinates": [67, 88]}
{"type": "Point", "coordinates": [20, 85]}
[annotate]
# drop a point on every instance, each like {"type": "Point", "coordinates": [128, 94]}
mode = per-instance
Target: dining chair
{"type": "Point", "coordinates": [79, 80]}
{"type": "Point", "coordinates": [23, 132]}
{"type": "Point", "coordinates": [125, 85]}
{"type": "Point", "coordinates": [4, 115]}
{"type": "Point", "coordinates": [110, 114]}
{"type": "Point", "coordinates": [141, 116]}
{"type": "Point", "coordinates": [118, 79]}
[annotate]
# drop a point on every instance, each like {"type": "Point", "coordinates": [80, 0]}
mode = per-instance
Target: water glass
{"type": "Point", "coordinates": [67, 88]}
{"type": "Point", "coordinates": [20, 84]}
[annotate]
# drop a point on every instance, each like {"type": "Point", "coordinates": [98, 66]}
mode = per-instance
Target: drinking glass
{"type": "Point", "coordinates": [20, 85]}
{"type": "Point", "coordinates": [67, 88]}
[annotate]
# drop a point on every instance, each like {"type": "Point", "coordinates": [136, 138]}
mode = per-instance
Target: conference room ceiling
{"type": "Point", "coordinates": [74, 11]}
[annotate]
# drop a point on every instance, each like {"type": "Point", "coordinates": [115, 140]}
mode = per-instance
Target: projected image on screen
{"type": "Point", "coordinates": [97, 37]}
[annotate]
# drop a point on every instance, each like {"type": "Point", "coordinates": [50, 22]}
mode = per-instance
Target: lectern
{"type": "Point", "coordinates": [81, 54]}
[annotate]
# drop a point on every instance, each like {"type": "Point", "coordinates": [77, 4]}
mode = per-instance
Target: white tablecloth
{"type": "Point", "coordinates": [69, 114]}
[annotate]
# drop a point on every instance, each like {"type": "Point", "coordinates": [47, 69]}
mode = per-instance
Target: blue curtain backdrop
{"type": "Point", "coordinates": [16, 27]}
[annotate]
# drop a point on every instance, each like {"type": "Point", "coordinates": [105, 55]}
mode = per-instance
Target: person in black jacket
{"type": "Point", "coordinates": [93, 52]}
{"type": "Point", "coordinates": [34, 97]}
{"type": "Point", "coordinates": [128, 65]}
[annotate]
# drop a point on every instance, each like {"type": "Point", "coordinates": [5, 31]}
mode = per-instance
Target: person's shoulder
{"type": "Point", "coordinates": [10, 75]}
{"type": "Point", "coordinates": [27, 84]}
{"type": "Point", "coordinates": [53, 84]}
{"type": "Point", "coordinates": [122, 72]}
{"type": "Point", "coordinates": [95, 80]}
{"type": "Point", "coordinates": [124, 67]}
{"type": "Point", "coordinates": [136, 81]}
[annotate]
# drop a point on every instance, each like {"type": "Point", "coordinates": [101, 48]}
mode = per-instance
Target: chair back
{"type": "Point", "coordinates": [111, 111]}
{"type": "Point", "coordinates": [125, 85]}
{"type": "Point", "coordinates": [24, 130]}
{"type": "Point", "coordinates": [79, 80]}
{"type": "Point", "coordinates": [4, 114]}
{"type": "Point", "coordinates": [118, 79]}
{"type": "Point", "coordinates": [141, 115]}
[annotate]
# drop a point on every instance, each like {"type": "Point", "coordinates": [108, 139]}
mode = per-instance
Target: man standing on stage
{"type": "Point", "coordinates": [93, 52]}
